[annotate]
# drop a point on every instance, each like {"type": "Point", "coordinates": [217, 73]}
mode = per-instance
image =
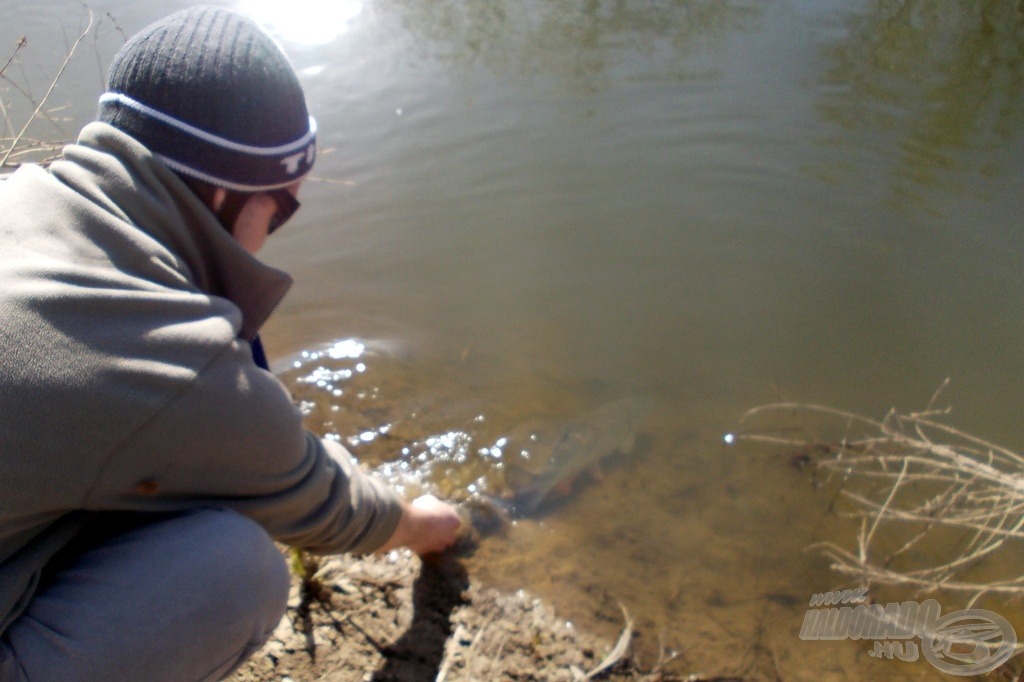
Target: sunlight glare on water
{"type": "Point", "coordinates": [304, 22]}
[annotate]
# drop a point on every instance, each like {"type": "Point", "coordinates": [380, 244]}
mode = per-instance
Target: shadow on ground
{"type": "Point", "coordinates": [418, 653]}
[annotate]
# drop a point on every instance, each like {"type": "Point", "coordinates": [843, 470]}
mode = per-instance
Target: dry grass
{"type": "Point", "coordinates": [938, 509]}
{"type": "Point", "coordinates": [16, 145]}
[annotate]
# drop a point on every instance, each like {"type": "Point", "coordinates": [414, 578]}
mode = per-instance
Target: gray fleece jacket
{"type": "Point", "coordinates": [126, 382]}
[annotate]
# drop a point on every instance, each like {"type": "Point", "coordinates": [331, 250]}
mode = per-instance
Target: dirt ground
{"type": "Point", "coordinates": [400, 618]}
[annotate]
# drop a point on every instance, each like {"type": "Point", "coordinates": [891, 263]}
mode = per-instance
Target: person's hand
{"type": "Point", "coordinates": [427, 526]}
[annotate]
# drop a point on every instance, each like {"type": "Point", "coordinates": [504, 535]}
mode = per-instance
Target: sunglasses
{"type": "Point", "coordinates": [286, 204]}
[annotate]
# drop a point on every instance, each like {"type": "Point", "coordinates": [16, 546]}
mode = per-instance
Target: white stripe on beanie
{"type": "Point", "coordinates": [298, 145]}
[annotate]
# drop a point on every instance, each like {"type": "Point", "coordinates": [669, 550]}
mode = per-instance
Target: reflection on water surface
{"type": "Point", "coordinates": [534, 208]}
{"type": "Point", "coordinates": [304, 22]}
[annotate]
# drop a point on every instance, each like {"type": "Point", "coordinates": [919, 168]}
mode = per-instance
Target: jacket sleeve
{"type": "Point", "coordinates": [232, 437]}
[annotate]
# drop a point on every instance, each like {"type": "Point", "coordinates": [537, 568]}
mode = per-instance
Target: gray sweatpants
{"type": "Point", "coordinates": [177, 598]}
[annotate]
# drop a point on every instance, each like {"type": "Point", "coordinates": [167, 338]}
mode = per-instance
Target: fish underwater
{"type": "Point", "coordinates": [576, 448]}
{"type": "Point", "coordinates": [568, 450]}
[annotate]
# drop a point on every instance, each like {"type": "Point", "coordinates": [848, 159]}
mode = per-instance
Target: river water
{"type": "Point", "coordinates": [523, 210]}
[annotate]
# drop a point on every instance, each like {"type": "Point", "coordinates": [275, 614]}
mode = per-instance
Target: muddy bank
{"type": "Point", "coordinates": [399, 618]}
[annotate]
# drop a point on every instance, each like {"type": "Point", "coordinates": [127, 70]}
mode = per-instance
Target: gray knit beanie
{"type": "Point", "coordinates": [213, 96]}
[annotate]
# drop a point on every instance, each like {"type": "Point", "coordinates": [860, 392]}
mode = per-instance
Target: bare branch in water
{"type": "Point", "coordinates": [17, 140]}
{"type": "Point", "coordinates": [22, 42]}
{"type": "Point", "coordinates": [935, 503]}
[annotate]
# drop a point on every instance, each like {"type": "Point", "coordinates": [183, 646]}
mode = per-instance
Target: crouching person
{"type": "Point", "coordinates": [147, 461]}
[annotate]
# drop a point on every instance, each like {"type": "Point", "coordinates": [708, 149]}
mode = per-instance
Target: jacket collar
{"type": "Point", "coordinates": [120, 174]}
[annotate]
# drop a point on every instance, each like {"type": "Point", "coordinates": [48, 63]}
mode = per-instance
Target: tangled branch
{"type": "Point", "coordinates": [16, 146]}
{"type": "Point", "coordinates": [934, 503]}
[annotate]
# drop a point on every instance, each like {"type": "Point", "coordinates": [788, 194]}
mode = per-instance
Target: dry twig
{"type": "Point", "coordinates": [934, 502]}
{"type": "Point", "coordinates": [617, 653]}
{"type": "Point", "coordinates": [14, 144]}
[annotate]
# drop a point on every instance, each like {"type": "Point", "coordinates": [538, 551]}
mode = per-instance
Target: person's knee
{"type": "Point", "coordinates": [248, 574]}
{"type": "Point", "coordinates": [188, 596]}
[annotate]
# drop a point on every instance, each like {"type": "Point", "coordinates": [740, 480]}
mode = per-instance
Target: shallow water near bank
{"type": "Point", "coordinates": [524, 211]}
{"type": "Point", "coordinates": [705, 543]}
